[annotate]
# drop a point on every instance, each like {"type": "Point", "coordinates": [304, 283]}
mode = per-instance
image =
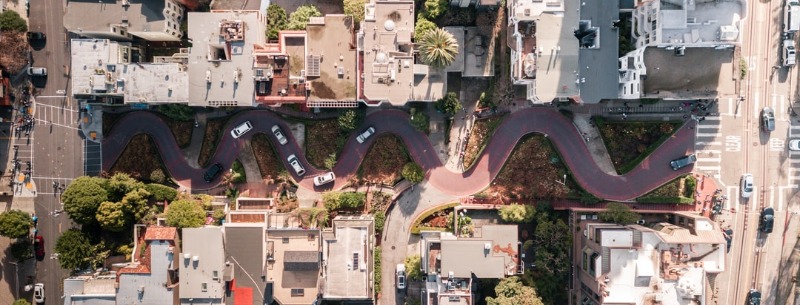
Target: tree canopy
{"type": "Point", "coordinates": [517, 213]}
{"type": "Point", "coordinates": [412, 264]}
{"type": "Point", "coordinates": [15, 50]}
{"type": "Point", "coordinates": [618, 213]}
{"type": "Point", "coordinates": [413, 172]}
{"type": "Point", "coordinates": [299, 18]}
{"type": "Point", "coordinates": [553, 241]}
{"type": "Point", "coordinates": [83, 197]}
{"type": "Point", "coordinates": [448, 104]}
{"type": "Point", "coordinates": [434, 8]}
{"type": "Point", "coordinates": [349, 120]}
{"type": "Point", "coordinates": [422, 26]}
{"type": "Point", "coordinates": [111, 216]}
{"type": "Point", "coordinates": [121, 184]}
{"type": "Point", "coordinates": [354, 8]}
{"type": "Point", "coordinates": [510, 291]}
{"type": "Point", "coordinates": [74, 250]}
{"type": "Point", "coordinates": [161, 192]}
{"type": "Point", "coordinates": [15, 224]}
{"type": "Point", "coordinates": [11, 21]}
{"type": "Point", "coordinates": [276, 21]}
{"type": "Point", "coordinates": [184, 213]}
{"type": "Point", "coordinates": [438, 48]}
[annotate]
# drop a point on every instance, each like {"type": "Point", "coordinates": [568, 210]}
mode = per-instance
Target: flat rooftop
{"type": "Point", "coordinates": [697, 73]}
{"type": "Point", "coordinates": [155, 83]}
{"type": "Point", "coordinates": [599, 71]}
{"type": "Point", "coordinates": [92, 59]}
{"type": "Point", "coordinates": [141, 15]}
{"type": "Point", "coordinates": [697, 22]}
{"type": "Point", "coordinates": [333, 75]}
{"type": "Point", "coordinates": [293, 276]}
{"type": "Point", "coordinates": [388, 62]}
{"type": "Point", "coordinates": [467, 256]}
{"type": "Point", "coordinates": [348, 261]}
{"type": "Point", "coordinates": [558, 61]}
{"type": "Point", "coordinates": [244, 244]}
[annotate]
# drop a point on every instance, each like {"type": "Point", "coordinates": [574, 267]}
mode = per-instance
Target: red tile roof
{"type": "Point", "coordinates": [160, 233]}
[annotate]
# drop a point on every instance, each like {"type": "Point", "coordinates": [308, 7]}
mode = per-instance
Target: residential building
{"type": "Point", "coordinates": [245, 249]}
{"type": "Point", "coordinates": [686, 32]}
{"type": "Point", "coordinates": [451, 262]}
{"type": "Point", "coordinates": [388, 70]}
{"type": "Point", "coordinates": [667, 262]}
{"type": "Point", "coordinates": [478, 4]}
{"type": "Point", "coordinates": [221, 58]}
{"type": "Point", "coordinates": [90, 289]}
{"type": "Point", "coordinates": [109, 72]}
{"type": "Point", "coordinates": [151, 277]}
{"type": "Point", "coordinates": [151, 20]}
{"type": "Point", "coordinates": [293, 265]}
{"type": "Point", "coordinates": [204, 272]}
{"type": "Point", "coordinates": [347, 259]}
{"type": "Point", "coordinates": [476, 50]}
{"type": "Point", "coordinates": [332, 82]}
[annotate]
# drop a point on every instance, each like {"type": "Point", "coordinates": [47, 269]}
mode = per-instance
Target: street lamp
{"type": "Point", "coordinates": [563, 182]}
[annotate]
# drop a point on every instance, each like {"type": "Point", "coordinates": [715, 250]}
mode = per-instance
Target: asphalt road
{"type": "Point", "coordinates": [651, 173]}
{"type": "Point", "coordinates": [57, 153]}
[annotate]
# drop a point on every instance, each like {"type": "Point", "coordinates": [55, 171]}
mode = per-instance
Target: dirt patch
{"type": "Point", "coordinates": [322, 132]}
{"type": "Point", "coordinates": [211, 139]}
{"type": "Point", "coordinates": [628, 143]}
{"type": "Point", "coordinates": [479, 135]}
{"type": "Point", "coordinates": [384, 161]}
{"type": "Point", "coordinates": [139, 159]}
{"type": "Point", "coordinates": [268, 162]}
{"type": "Point", "coordinates": [534, 171]}
{"type": "Point", "coordinates": [182, 130]}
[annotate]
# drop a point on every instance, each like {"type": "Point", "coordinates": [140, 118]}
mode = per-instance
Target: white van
{"type": "Point", "coordinates": [296, 166]}
{"type": "Point", "coordinates": [241, 129]}
{"type": "Point", "coordinates": [324, 178]}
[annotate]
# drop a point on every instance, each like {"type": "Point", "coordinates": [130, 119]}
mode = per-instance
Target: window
{"type": "Point", "coordinates": [204, 287]}
{"type": "Point", "coordinates": [215, 274]}
{"type": "Point", "coordinates": [298, 292]}
{"type": "Point", "coordinates": [285, 240]}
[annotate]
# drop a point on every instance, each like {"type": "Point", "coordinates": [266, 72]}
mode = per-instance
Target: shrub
{"type": "Point", "coordinates": [11, 21]}
{"type": "Point", "coordinates": [434, 8]}
{"type": "Point", "coordinates": [380, 221]}
{"type": "Point", "coordinates": [299, 19]}
{"type": "Point", "coordinates": [413, 172]}
{"type": "Point", "coordinates": [160, 192]}
{"type": "Point", "coordinates": [517, 213]}
{"type": "Point", "coordinates": [157, 176]}
{"type": "Point", "coordinates": [354, 8]}
{"type": "Point", "coordinates": [337, 200]}
{"type": "Point", "coordinates": [276, 21]}
{"type": "Point", "coordinates": [449, 104]}
{"type": "Point", "coordinates": [420, 120]}
{"type": "Point", "coordinates": [349, 120]}
{"type": "Point", "coordinates": [423, 26]}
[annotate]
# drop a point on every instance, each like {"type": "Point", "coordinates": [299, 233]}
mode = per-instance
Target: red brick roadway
{"type": "Point", "coordinates": [651, 173]}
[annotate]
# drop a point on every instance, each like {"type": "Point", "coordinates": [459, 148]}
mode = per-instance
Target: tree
{"type": "Point", "coordinates": [11, 21]}
{"type": "Point", "coordinates": [422, 27]}
{"type": "Point", "coordinates": [517, 213]}
{"type": "Point", "coordinates": [300, 17]}
{"type": "Point", "coordinates": [121, 184]}
{"type": "Point", "coordinates": [74, 250]}
{"type": "Point", "coordinates": [449, 104]}
{"type": "Point", "coordinates": [157, 176]}
{"type": "Point", "coordinates": [412, 264]}
{"type": "Point", "coordinates": [15, 224]}
{"type": "Point", "coordinates": [619, 213]}
{"type": "Point", "coordinates": [349, 120]}
{"type": "Point", "coordinates": [161, 192]}
{"type": "Point", "coordinates": [21, 249]}
{"type": "Point", "coordinates": [276, 21]}
{"type": "Point", "coordinates": [178, 112]}
{"type": "Point", "coordinates": [354, 8]}
{"type": "Point", "coordinates": [413, 172]}
{"type": "Point", "coordinates": [510, 291]}
{"type": "Point", "coordinates": [330, 161]}
{"type": "Point", "coordinates": [15, 50]}
{"type": "Point", "coordinates": [83, 197]}
{"type": "Point", "coordinates": [111, 216]}
{"type": "Point", "coordinates": [434, 8]}
{"type": "Point", "coordinates": [336, 200]}
{"type": "Point", "coordinates": [553, 241]}
{"type": "Point", "coordinates": [438, 48]}
{"type": "Point", "coordinates": [185, 213]}
{"type": "Point", "coordinates": [135, 204]}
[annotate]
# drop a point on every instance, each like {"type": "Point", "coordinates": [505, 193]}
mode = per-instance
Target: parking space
{"type": "Point", "coordinates": [92, 158]}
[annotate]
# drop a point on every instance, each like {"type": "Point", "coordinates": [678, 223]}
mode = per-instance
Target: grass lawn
{"type": "Point", "coordinates": [268, 163]}
{"type": "Point", "coordinates": [182, 130]}
{"type": "Point", "coordinates": [628, 143]}
{"type": "Point", "coordinates": [384, 161]}
{"type": "Point", "coordinates": [534, 171]}
{"type": "Point", "coordinates": [679, 190]}
{"type": "Point", "coordinates": [139, 159]}
{"type": "Point", "coordinates": [481, 131]}
{"type": "Point", "coordinates": [322, 139]}
{"type": "Point", "coordinates": [213, 135]}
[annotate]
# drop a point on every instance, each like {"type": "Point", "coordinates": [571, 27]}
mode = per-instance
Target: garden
{"type": "Point", "coordinates": [478, 137]}
{"type": "Point", "coordinates": [214, 133]}
{"type": "Point", "coordinates": [628, 143]}
{"type": "Point", "coordinates": [141, 160]}
{"type": "Point", "coordinates": [269, 164]}
{"type": "Point", "coordinates": [384, 161]}
{"type": "Point", "coordinates": [679, 190]}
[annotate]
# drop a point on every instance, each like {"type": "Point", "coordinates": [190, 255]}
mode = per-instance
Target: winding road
{"type": "Point", "coordinates": [649, 174]}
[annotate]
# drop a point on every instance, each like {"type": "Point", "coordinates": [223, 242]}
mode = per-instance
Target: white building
{"type": "Point", "coordinates": [152, 20]}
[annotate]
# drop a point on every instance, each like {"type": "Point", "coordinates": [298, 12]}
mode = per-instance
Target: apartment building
{"type": "Point", "coordinates": [151, 20]}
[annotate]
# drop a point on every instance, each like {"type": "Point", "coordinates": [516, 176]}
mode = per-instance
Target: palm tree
{"type": "Point", "coordinates": [438, 48]}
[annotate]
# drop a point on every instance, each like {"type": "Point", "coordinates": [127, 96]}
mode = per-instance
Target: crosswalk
{"type": "Point", "coordinates": [793, 168]}
{"type": "Point", "coordinates": [731, 106]}
{"type": "Point", "coordinates": [708, 148]}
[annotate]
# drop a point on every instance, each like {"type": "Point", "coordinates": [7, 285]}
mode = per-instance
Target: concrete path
{"type": "Point", "coordinates": [597, 148]}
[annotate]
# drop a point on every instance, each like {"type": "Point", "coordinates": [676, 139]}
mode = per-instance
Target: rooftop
{"type": "Point", "coordinates": [202, 264]}
{"type": "Point", "coordinates": [291, 268]}
{"type": "Point", "coordinates": [160, 233]}
{"type": "Point", "coordinates": [244, 247]}
{"type": "Point", "coordinates": [388, 61]}
{"type": "Point", "coordinates": [221, 59]}
{"type": "Point", "coordinates": [695, 74]}
{"type": "Point", "coordinates": [492, 253]}
{"type": "Point", "coordinates": [138, 16]}
{"type": "Point", "coordinates": [698, 22]}
{"type": "Point", "coordinates": [348, 259]}
{"type": "Point", "coordinates": [94, 63]}
{"type": "Point", "coordinates": [279, 69]}
{"type": "Point", "coordinates": [150, 279]}
{"type": "Point", "coordinates": [331, 37]}
{"type": "Point", "coordinates": [599, 71]}
{"type": "Point", "coordinates": [90, 290]}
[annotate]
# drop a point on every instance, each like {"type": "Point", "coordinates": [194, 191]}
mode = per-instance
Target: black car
{"type": "Point", "coordinates": [754, 297]}
{"type": "Point", "coordinates": [728, 238]}
{"type": "Point", "coordinates": [683, 162]}
{"type": "Point", "coordinates": [767, 220]}
{"type": "Point", "coordinates": [212, 172]}
{"type": "Point", "coordinates": [36, 36]}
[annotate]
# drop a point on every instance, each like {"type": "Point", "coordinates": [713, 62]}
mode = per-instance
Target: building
{"type": "Point", "coordinates": [478, 4]}
{"type": "Point", "coordinates": [347, 256]}
{"type": "Point", "coordinates": [245, 235]}
{"type": "Point", "coordinates": [203, 270]}
{"type": "Point", "coordinates": [90, 289]}
{"type": "Point", "coordinates": [451, 263]}
{"type": "Point", "coordinates": [109, 72]}
{"type": "Point", "coordinates": [688, 33]}
{"type": "Point", "coordinates": [221, 58]}
{"type": "Point", "coordinates": [151, 277]}
{"type": "Point", "coordinates": [476, 50]}
{"type": "Point", "coordinates": [667, 262]}
{"type": "Point", "coordinates": [333, 82]}
{"type": "Point", "coordinates": [293, 265]}
{"type": "Point", "coordinates": [152, 20]}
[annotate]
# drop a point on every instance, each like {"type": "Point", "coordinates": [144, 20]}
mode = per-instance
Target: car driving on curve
{"type": "Point", "coordinates": [365, 135]}
{"type": "Point", "coordinates": [212, 172]}
{"type": "Point", "coordinates": [767, 220]}
{"type": "Point", "coordinates": [683, 162]}
{"type": "Point", "coordinates": [241, 129]}
{"type": "Point", "coordinates": [296, 166]}
{"type": "Point", "coordinates": [768, 119]}
{"type": "Point", "coordinates": [279, 135]}
{"type": "Point", "coordinates": [324, 178]}
{"type": "Point", "coordinates": [747, 185]}
{"type": "Point", "coordinates": [38, 293]}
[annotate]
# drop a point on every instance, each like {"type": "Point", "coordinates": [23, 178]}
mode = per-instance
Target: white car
{"type": "Point", "coordinates": [37, 71]}
{"type": "Point", "coordinates": [324, 178]}
{"type": "Point", "coordinates": [794, 144]}
{"type": "Point", "coordinates": [38, 293]}
{"type": "Point", "coordinates": [241, 129]}
{"type": "Point", "coordinates": [401, 276]}
{"type": "Point", "coordinates": [747, 185]}
{"type": "Point", "coordinates": [366, 134]}
{"type": "Point", "coordinates": [296, 166]}
{"type": "Point", "coordinates": [279, 135]}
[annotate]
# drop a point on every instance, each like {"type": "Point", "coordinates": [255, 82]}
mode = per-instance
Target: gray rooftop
{"type": "Point", "coordinates": [599, 75]}
{"type": "Point", "coordinates": [344, 280]}
{"type": "Point", "coordinates": [221, 59]}
{"type": "Point", "coordinates": [142, 16]}
{"type": "Point", "coordinates": [696, 74]}
{"type": "Point", "coordinates": [388, 62]}
{"type": "Point", "coordinates": [86, 290]}
{"type": "Point", "coordinates": [696, 22]}
{"type": "Point", "coordinates": [155, 83]}
{"type": "Point", "coordinates": [332, 40]}
{"type": "Point", "coordinates": [244, 247]}
{"type": "Point", "coordinates": [92, 59]}
{"type": "Point", "coordinates": [152, 283]}
{"type": "Point", "coordinates": [204, 244]}
{"type": "Point", "coordinates": [466, 256]}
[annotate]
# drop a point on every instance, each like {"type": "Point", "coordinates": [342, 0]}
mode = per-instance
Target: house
{"type": "Point", "coordinates": [151, 20]}
{"type": "Point", "coordinates": [151, 277]}
{"type": "Point", "coordinates": [475, 56]}
{"type": "Point", "coordinates": [245, 235]}
{"type": "Point", "coordinates": [451, 262]}
{"type": "Point", "coordinates": [293, 265]}
{"type": "Point", "coordinates": [222, 59]}
{"type": "Point", "coordinates": [90, 289]}
{"type": "Point", "coordinates": [332, 81]}
{"type": "Point", "coordinates": [689, 39]}
{"type": "Point", "coordinates": [347, 256]}
{"type": "Point", "coordinates": [667, 262]}
{"type": "Point", "coordinates": [204, 272]}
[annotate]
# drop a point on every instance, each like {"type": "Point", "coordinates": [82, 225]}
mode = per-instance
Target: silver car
{"type": "Point", "coordinates": [38, 293]}
{"type": "Point", "coordinates": [747, 185]}
{"type": "Point", "coordinates": [324, 178]}
{"type": "Point", "coordinates": [296, 166]}
{"type": "Point", "coordinates": [279, 135]}
{"type": "Point", "coordinates": [794, 145]}
{"type": "Point", "coordinates": [365, 135]}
